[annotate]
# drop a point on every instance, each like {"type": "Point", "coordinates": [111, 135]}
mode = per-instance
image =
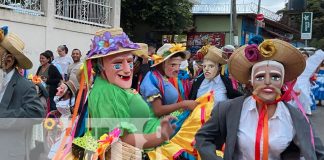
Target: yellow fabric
{"type": "Point", "coordinates": [184, 139]}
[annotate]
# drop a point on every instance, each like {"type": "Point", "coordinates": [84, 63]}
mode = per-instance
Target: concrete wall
{"type": "Point", "coordinates": [41, 33]}
{"type": "Point", "coordinates": [216, 23]}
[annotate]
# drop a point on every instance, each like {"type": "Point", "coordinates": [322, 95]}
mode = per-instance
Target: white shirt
{"type": "Point", "coordinates": [64, 62]}
{"type": "Point", "coordinates": [281, 131]}
{"type": "Point", "coordinates": [216, 85]}
{"type": "Point", "coordinates": [4, 84]}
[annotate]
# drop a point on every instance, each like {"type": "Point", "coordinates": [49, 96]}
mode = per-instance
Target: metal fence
{"type": "Point", "coordinates": [226, 9]}
{"type": "Point", "coordinates": [92, 12]}
{"type": "Point", "coordinates": [32, 7]}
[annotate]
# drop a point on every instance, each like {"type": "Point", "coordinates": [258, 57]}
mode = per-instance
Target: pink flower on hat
{"type": "Point", "coordinates": [252, 52]}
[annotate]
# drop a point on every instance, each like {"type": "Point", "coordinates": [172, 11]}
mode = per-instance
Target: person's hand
{"type": "Point", "coordinates": [189, 104]}
{"type": "Point", "coordinates": [44, 79]}
{"type": "Point", "coordinates": [166, 127]}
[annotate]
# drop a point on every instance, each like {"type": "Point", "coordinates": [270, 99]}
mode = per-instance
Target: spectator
{"type": "Point", "coordinates": [74, 69]}
{"type": "Point", "coordinates": [50, 75]}
{"type": "Point", "coordinates": [63, 60]}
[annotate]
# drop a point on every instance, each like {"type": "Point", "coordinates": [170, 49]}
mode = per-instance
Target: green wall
{"type": "Point", "coordinates": [217, 23]}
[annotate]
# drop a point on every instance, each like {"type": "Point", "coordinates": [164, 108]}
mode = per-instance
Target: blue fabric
{"type": "Point", "coordinates": [149, 87]}
{"type": "Point", "coordinates": [318, 89]}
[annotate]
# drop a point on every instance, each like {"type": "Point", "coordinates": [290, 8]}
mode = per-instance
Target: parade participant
{"type": "Point", "coordinates": [50, 75]}
{"type": "Point", "coordinates": [319, 88]}
{"type": "Point", "coordinates": [18, 99]}
{"type": "Point", "coordinates": [111, 101]}
{"type": "Point", "coordinates": [74, 68]}
{"type": "Point", "coordinates": [211, 79]}
{"type": "Point", "coordinates": [303, 83]}
{"type": "Point", "coordinates": [161, 95]}
{"type": "Point", "coordinates": [141, 66]}
{"type": "Point", "coordinates": [247, 122]}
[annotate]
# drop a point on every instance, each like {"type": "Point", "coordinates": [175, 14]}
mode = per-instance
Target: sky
{"type": "Point", "coordinates": [273, 5]}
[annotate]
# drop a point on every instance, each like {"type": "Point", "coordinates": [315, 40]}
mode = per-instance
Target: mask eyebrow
{"type": "Point", "coordinates": [275, 72]}
{"type": "Point", "coordinates": [258, 73]}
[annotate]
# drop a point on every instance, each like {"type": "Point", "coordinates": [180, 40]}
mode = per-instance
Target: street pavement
{"type": "Point", "coordinates": [317, 119]}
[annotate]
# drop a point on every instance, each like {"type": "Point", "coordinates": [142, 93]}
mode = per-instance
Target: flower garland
{"type": "Point", "coordinates": [107, 43]}
{"type": "Point", "coordinates": [258, 47]}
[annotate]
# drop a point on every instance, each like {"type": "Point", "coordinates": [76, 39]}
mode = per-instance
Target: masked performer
{"type": "Point", "coordinates": [261, 126]}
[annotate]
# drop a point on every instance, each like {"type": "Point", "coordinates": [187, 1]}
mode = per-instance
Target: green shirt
{"type": "Point", "coordinates": [111, 106]}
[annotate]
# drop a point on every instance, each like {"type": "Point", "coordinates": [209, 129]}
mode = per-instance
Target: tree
{"type": "Point", "coordinates": [173, 16]}
{"type": "Point", "coordinates": [293, 19]}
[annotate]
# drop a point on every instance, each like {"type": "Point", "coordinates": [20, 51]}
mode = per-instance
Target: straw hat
{"type": "Point", "coordinates": [243, 58]}
{"type": "Point", "coordinates": [142, 52]}
{"type": "Point", "coordinates": [167, 51]}
{"type": "Point", "coordinates": [214, 54]}
{"type": "Point", "coordinates": [228, 48]}
{"type": "Point", "coordinates": [109, 42]}
{"type": "Point", "coordinates": [71, 86]}
{"type": "Point", "coordinates": [14, 45]}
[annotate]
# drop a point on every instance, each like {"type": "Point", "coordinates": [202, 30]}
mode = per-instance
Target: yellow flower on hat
{"type": "Point", "coordinates": [204, 49]}
{"type": "Point", "coordinates": [267, 48]}
{"type": "Point", "coordinates": [157, 58]}
{"type": "Point", "coordinates": [49, 123]}
{"type": "Point", "coordinates": [177, 48]}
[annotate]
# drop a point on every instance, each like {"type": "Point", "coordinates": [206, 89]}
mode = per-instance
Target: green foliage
{"type": "Point", "coordinates": [317, 7]}
{"type": "Point", "coordinates": [168, 15]}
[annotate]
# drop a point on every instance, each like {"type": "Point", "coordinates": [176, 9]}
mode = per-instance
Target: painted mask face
{"type": "Point", "coordinates": [119, 69]}
{"type": "Point", "coordinates": [61, 90]}
{"type": "Point", "coordinates": [267, 82]}
{"type": "Point", "coordinates": [210, 69]}
{"type": "Point", "coordinates": [172, 67]}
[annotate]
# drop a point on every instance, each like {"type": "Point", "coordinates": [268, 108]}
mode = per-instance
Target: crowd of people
{"type": "Point", "coordinates": [248, 102]}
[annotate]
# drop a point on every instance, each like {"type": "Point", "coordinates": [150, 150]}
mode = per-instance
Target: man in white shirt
{"type": "Point", "coordinates": [74, 68]}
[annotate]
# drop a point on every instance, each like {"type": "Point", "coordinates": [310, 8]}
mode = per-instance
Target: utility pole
{"type": "Point", "coordinates": [257, 26]}
{"type": "Point", "coordinates": [231, 24]}
{"type": "Point", "coordinates": [234, 22]}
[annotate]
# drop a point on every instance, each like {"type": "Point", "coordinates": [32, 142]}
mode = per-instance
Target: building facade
{"type": "Point", "coordinates": [46, 24]}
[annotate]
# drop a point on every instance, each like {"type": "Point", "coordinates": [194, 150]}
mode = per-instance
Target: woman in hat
{"type": "Point", "coordinates": [156, 89]}
{"type": "Point", "coordinates": [261, 125]}
{"type": "Point", "coordinates": [211, 79]}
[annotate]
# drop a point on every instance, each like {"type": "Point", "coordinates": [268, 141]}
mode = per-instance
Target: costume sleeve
{"type": "Point", "coordinates": [30, 112]}
{"type": "Point", "coordinates": [54, 76]}
{"type": "Point", "coordinates": [149, 87]}
{"type": "Point", "coordinates": [206, 137]}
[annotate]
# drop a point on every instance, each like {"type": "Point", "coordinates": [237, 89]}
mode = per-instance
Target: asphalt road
{"type": "Point", "coordinates": [317, 119]}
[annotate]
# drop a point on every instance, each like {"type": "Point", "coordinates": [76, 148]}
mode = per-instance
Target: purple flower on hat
{"type": "Point", "coordinates": [107, 44]}
{"type": "Point", "coordinates": [252, 52]}
{"type": "Point", "coordinates": [103, 45]}
{"type": "Point", "coordinates": [256, 40]}
{"type": "Point", "coordinates": [125, 42]}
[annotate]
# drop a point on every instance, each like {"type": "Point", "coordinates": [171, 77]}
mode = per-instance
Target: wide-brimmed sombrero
{"type": "Point", "coordinates": [243, 58]}
{"type": "Point", "coordinates": [167, 51]}
{"type": "Point", "coordinates": [14, 45]}
{"type": "Point", "coordinates": [110, 42]}
{"type": "Point", "coordinates": [214, 54]}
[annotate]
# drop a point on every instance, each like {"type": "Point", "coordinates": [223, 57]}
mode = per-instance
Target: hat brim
{"type": "Point", "coordinates": [23, 61]}
{"type": "Point", "coordinates": [216, 58]}
{"type": "Point", "coordinates": [186, 53]}
{"type": "Point", "coordinates": [294, 63]}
